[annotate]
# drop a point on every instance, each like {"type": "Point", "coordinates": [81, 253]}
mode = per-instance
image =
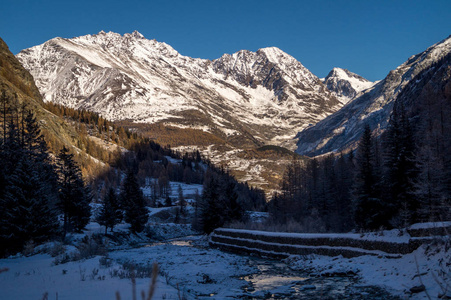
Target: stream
{"type": "Point", "coordinates": [275, 280]}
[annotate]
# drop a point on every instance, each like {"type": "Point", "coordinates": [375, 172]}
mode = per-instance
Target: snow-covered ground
{"type": "Point", "coordinates": [184, 270]}
{"type": "Point", "coordinates": [428, 266]}
{"type": "Point", "coordinates": [33, 277]}
{"type": "Point", "coordinates": [189, 268]}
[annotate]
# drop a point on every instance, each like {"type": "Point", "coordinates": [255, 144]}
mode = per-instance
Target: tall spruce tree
{"type": "Point", "coordinates": [400, 169]}
{"type": "Point", "coordinates": [212, 212]}
{"type": "Point", "coordinates": [345, 171]}
{"type": "Point", "coordinates": [234, 211]}
{"type": "Point", "coordinates": [34, 217]}
{"type": "Point", "coordinates": [181, 201]}
{"type": "Point", "coordinates": [110, 213]}
{"type": "Point", "coordinates": [74, 197]}
{"type": "Point", "coordinates": [369, 210]}
{"type": "Point", "coordinates": [134, 204]}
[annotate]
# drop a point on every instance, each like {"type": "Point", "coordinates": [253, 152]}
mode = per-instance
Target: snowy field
{"type": "Point", "coordinates": [34, 277]}
{"type": "Point", "coordinates": [184, 271]}
{"type": "Point", "coordinates": [190, 269]}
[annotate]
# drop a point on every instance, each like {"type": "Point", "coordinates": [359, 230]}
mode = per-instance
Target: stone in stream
{"type": "Point", "coordinates": [308, 287]}
{"type": "Point", "coordinates": [417, 289]}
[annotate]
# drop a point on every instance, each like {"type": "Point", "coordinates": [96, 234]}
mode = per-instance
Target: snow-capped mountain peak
{"type": "Point", "coordinates": [275, 55]}
{"type": "Point", "coordinates": [137, 35]}
{"type": "Point", "coordinates": [345, 84]}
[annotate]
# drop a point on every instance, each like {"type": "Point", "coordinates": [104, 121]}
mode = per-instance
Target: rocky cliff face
{"type": "Point", "coordinates": [346, 85]}
{"type": "Point", "coordinates": [343, 129]}
{"type": "Point", "coordinates": [246, 98]}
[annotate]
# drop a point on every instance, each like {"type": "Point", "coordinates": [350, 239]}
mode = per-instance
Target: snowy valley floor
{"type": "Point", "coordinates": [190, 269]}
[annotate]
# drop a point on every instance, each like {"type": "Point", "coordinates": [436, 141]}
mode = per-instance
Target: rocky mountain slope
{"type": "Point", "coordinates": [343, 129]}
{"type": "Point", "coordinates": [17, 82]}
{"type": "Point", "coordinates": [246, 98]}
{"type": "Point", "coordinates": [345, 84]}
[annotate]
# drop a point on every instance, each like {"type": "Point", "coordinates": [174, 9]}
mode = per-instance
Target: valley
{"type": "Point", "coordinates": [234, 104]}
{"type": "Point", "coordinates": [118, 152]}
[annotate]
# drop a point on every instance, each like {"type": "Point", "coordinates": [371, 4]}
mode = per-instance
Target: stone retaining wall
{"type": "Point", "coordinates": [283, 245]}
{"type": "Point", "coordinates": [432, 231]}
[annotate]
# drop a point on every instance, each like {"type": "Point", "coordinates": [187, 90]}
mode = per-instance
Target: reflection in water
{"type": "Point", "coordinates": [276, 281]}
{"type": "Point", "coordinates": [181, 243]}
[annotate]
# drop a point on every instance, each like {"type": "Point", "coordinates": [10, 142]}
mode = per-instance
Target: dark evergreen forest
{"type": "Point", "coordinates": [43, 195]}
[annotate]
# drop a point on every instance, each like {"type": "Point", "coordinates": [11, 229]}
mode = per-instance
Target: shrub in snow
{"type": "Point", "coordinates": [91, 246]}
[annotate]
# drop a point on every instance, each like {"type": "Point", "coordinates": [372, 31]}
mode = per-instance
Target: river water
{"type": "Point", "coordinates": [275, 280]}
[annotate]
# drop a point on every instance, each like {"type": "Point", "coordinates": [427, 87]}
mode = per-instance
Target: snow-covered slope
{"type": "Point", "coordinates": [345, 84]}
{"type": "Point", "coordinates": [265, 96]}
{"type": "Point", "coordinates": [342, 129]}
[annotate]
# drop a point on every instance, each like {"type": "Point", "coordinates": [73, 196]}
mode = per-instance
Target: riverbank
{"type": "Point", "coordinates": [407, 262]}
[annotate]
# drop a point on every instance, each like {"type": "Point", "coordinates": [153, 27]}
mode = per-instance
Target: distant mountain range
{"type": "Point", "coordinates": [245, 100]}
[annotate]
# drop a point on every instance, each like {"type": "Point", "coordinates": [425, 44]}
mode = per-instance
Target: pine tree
{"type": "Point", "coordinates": [196, 224]}
{"type": "Point", "coordinates": [345, 172]}
{"type": "Point", "coordinates": [432, 186]}
{"type": "Point", "coordinates": [34, 216]}
{"type": "Point", "coordinates": [134, 204]}
{"type": "Point", "coordinates": [110, 214]}
{"type": "Point", "coordinates": [234, 211]}
{"type": "Point", "coordinates": [400, 168]}
{"type": "Point", "coordinates": [212, 212]}
{"type": "Point", "coordinates": [369, 210]}
{"type": "Point", "coordinates": [74, 197]}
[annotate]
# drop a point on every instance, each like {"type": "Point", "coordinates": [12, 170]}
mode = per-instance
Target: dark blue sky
{"type": "Point", "coordinates": [367, 37]}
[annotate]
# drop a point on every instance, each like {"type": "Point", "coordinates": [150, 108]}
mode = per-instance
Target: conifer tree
{"type": "Point", "coordinates": [181, 201]}
{"type": "Point", "coordinates": [369, 211]}
{"type": "Point", "coordinates": [212, 212]}
{"type": "Point", "coordinates": [28, 194]}
{"type": "Point", "coordinates": [400, 169]}
{"type": "Point", "coordinates": [110, 214]}
{"type": "Point", "coordinates": [74, 197]}
{"type": "Point", "coordinates": [196, 224]}
{"type": "Point", "coordinates": [134, 204]}
{"type": "Point", "coordinates": [229, 198]}
{"type": "Point", "coordinates": [33, 217]}
{"type": "Point", "coordinates": [345, 171]}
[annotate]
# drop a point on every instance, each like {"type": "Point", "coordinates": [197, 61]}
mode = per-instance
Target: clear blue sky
{"type": "Point", "coordinates": [367, 37]}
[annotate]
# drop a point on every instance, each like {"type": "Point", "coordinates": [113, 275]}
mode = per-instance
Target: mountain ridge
{"type": "Point", "coordinates": [342, 130]}
{"type": "Point", "coordinates": [258, 91]}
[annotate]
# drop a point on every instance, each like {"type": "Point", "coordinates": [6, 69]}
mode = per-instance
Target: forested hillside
{"type": "Point", "coordinates": [394, 180]}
